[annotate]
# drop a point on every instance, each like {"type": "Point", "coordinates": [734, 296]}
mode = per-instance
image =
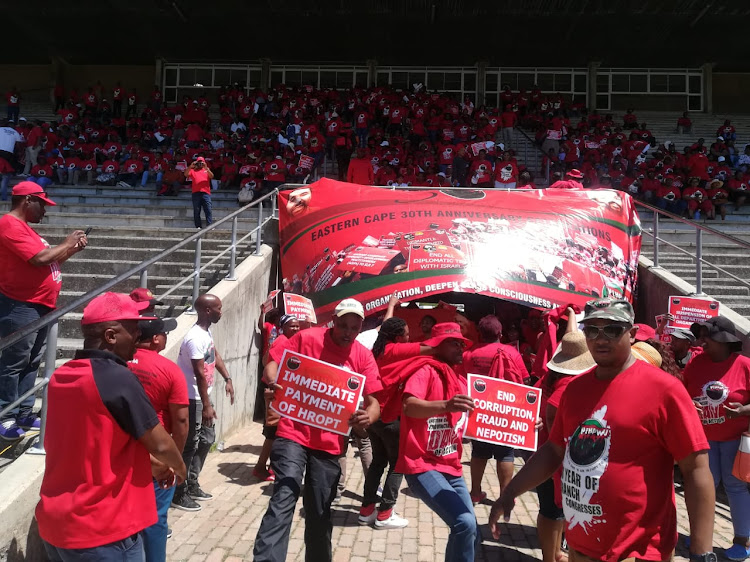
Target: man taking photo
{"type": "Point", "coordinates": [617, 453]}
{"type": "Point", "coordinates": [30, 281]}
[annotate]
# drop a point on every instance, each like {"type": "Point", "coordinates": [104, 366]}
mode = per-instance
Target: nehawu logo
{"type": "Point", "coordinates": [480, 385]}
{"type": "Point", "coordinates": [292, 363]}
{"type": "Point", "coordinates": [353, 383]}
{"type": "Point", "coordinates": [588, 442]}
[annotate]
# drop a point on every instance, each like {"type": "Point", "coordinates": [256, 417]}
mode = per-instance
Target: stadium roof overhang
{"type": "Point", "coordinates": [623, 33]}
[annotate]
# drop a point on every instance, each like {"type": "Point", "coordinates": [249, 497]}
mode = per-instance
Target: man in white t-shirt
{"type": "Point", "coordinates": [199, 360]}
{"type": "Point", "coordinates": [8, 139]}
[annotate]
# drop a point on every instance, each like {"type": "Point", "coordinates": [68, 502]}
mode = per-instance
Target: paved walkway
{"type": "Point", "coordinates": [225, 529]}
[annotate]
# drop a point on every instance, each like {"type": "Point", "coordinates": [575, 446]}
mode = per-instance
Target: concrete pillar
{"type": "Point", "coordinates": [591, 89]}
{"type": "Point", "coordinates": [708, 87]}
{"type": "Point", "coordinates": [159, 73]}
{"type": "Point", "coordinates": [481, 74]}
{"type": "Point", "coordinates": [58, 75]}
{"type": "Point", "coordinates": [372, 72]}
{"type": "Point", "coordinates": [265, 73]}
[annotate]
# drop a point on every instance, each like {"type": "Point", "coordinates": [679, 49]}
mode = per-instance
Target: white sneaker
{"type": "Point", "coordinates": [393, 522]}
{"type": "Point", "coordinates": [368, 519]}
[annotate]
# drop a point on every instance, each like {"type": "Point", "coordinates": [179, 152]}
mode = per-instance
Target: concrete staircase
{"type": "Point", "coordinates": [663, 125]}
{"type": "Point", "coordinates": [716, 250]}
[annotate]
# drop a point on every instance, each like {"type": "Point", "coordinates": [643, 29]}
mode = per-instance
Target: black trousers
{"type": "Point", "coordinates": [290, 461]}
{"type": "Point", "coordinates": [384, 441]}
{"type": "Point", "coordinates": [197, 446]}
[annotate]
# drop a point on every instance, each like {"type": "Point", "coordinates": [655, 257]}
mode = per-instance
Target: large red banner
{"type": "Point", "coordinates": [540, 248]}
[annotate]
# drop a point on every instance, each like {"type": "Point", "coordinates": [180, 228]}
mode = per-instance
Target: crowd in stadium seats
{"type": "Point", "coordinates": [284, 135]}
{"type": "Point", "coordinates": [264, 139]}
{"type": "Point", "coordinates": [704, 178]}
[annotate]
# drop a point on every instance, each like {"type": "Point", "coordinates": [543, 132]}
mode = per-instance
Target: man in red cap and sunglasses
{"type": "Point", "coordinates": [97, 493]}
{"type": "Point", "coordinates": [30, 281]}
{"type": "Point", "coordinates": [618, 430]}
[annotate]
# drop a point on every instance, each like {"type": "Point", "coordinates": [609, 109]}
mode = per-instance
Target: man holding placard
{"type": "Point", "coordinates": [309, 442]}
{"type": "Point", "coordinates": [617, 454]}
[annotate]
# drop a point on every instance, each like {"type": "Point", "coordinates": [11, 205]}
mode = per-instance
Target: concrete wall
{"type": "Point", "coordinates": [236, 341]}
{"type": "Point", "coordinates": [656, 285]}
{"type": "Point", "coordinates": [140, 77]}
{"type": "Point", "coordinates": [730, 92]}
{"type": "Point", "coordinates": [35, 81]}
{"type": "Point", "coordinates": [36, 78]}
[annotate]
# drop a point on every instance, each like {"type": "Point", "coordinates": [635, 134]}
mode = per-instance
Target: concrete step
{"type": "Point", "coordinates": [112, 268]}
{"type": "Point", "coordinates": [719, 259]}
{"type": "Point", "coordinates": [688, 274]}
{"type": "Point", "coordinates": [84, 282]}
{"type": "Point", "coordinates": [183, 256]}
{"type": "Point", "coordinates": [153, 243]}
{"type": "Point", "coordinates": [720, 287]}
{"type": "Point", "coordinates": [57, 231]}
{"type": "Point", "coordinates": [85, 219]}
{"type": "Point", "coordinates": [709, 249]}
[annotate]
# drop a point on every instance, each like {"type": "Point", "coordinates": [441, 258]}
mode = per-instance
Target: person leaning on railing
{"type": "Point", "coordinates": [30, 281]}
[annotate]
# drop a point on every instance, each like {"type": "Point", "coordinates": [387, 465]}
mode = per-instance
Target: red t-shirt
{"type": "Point", "coordinates": [617, 483]}
{"type": "Point", "coordinates": [397, 352]}
{"type": "Point", "coordinates": [163, 382]}
{"type": "Point", "coordinates": [478, 359]}
{"type": "Point", "coordinates": [201, 183]}
{"type": "Point", "coordinates": [715, 384]}
{"type": "Point", "coordinates": [431, 443]}
{"type": "Point", "coordinates": [19, 280]}
{"type": "Point", "coordinates": [317, 343]}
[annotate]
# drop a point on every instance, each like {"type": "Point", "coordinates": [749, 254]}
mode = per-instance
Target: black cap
{"type": "Point", "coordinates": [721, 329]}
{"type": "Point", "coordinates": [151, 328]}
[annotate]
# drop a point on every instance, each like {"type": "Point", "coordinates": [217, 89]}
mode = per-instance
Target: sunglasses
{"type": "Point", "coordinates": [610, 331]}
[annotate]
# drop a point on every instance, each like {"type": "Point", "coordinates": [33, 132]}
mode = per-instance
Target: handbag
{"type": "Point", "coordinates": [741, 467]}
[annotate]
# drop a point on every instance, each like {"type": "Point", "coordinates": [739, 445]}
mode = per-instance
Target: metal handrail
{"type": "Point", "coordinates": [698, 256]}
{"type": "Point", "coordinates": [50, 320]}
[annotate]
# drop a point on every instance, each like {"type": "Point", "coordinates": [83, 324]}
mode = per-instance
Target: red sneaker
{"type": "Point", "coordinates": [264, 475]}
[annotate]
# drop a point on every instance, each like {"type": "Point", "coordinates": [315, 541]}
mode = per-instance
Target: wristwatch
{"type": "Point", "coordinates": [705, 557]}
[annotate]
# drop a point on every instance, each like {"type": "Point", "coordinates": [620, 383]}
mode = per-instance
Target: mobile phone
{"type": "Point", "coordinates": [88, 230]}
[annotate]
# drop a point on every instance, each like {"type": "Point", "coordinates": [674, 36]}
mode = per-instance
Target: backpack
{"type": "Point", "coordinates": [503, 367]}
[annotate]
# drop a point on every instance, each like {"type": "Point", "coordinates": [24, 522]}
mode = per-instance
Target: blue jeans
{"type": "Point", "coordinates": [4, 187]}
{"type": "Point", "coordinates": [201, 201]}
{"type": "Point", "coordinates": [155, 536]}
{"type": "Point", "coordinates": [449, 497]}
{"type": "Point", "coordinates": [147, 174]}
{"type": "Point", "coordinates": [19, 363]}
{"type": "Point", "coordinates": [721, 460]}
{"type": "Point", "coordinates": [126, 550]}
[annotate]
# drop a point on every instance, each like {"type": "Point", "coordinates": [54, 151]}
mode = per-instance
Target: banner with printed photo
{"type": "Point", "coordinates": [539, 248]}
{"type": "Point", "coordinates": [317, 393]}
{"type": "Point", "coordinates": [505, 412]}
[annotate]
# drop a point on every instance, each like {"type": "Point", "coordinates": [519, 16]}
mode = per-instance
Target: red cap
{"type": "Point", "coordinates": [575, 174]}
{"type": "Point", "coordinates": [31, 188]}
{"type": "Point", "coordinates": [141, 294]}
{"type": "Point", "coordinates": [444, 331]}
{"type": "Point", "coordinates": [111, 307]}
{"type": "Point", "coordinates": [645, 332]}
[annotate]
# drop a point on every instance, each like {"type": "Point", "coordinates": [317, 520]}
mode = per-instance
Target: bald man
{"type": "Point", "coordinates": [97, 493]}
{"type": "Point", "coordinates": [198, 360]}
